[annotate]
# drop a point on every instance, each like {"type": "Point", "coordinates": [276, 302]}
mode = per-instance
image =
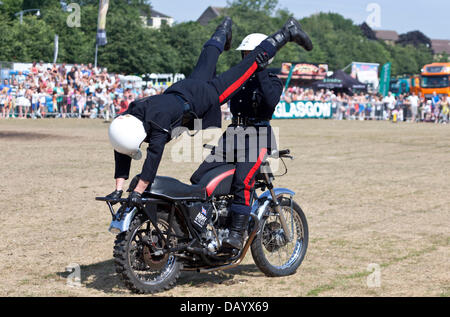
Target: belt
{"type": "Point", "coordinates": [246, 121]}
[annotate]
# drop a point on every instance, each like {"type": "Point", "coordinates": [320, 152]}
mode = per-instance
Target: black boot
{"type": "Point", "coordinates": [291, 32]}
{"type": "Point", "coordinates": [223, 33]}
{"type": "Point", "coordinates": [239, 224]}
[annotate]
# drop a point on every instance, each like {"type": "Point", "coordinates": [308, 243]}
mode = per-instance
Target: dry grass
{"type": "Point", "coordinates": [373, 192]}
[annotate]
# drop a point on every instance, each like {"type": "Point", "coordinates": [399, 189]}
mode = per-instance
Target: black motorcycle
{"type": "Point", "coordinates": [181, 228]}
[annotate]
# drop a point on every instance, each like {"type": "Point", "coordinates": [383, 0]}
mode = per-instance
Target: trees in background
{"type": "Point", "coordinates": [133, 48]}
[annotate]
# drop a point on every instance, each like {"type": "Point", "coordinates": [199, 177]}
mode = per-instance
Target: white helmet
{"type": "Point", "coordinates": [251, 41]}
{"type": "Point", "coordinates": [126, 133]}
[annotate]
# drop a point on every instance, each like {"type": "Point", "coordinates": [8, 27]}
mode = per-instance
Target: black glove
{"type": "Point", "coordinates": [135, 200]}
{"type": "Point", "coordinates": [117, 194]}
{"type": "Point", "coordinates": [262, 59]}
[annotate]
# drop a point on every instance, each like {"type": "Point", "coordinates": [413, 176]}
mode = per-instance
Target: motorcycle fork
{"type": "Point", "coordinates": [276, 204]}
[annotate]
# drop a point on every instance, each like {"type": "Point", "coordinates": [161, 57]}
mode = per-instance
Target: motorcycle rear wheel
{"type": "Point", "coordinates": [136, 263]}
{"type": "Point", "coordinates": [271, 252]}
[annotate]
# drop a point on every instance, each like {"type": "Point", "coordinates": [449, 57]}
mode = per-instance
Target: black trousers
{"type": "Point", "coordinates": [246, 148]}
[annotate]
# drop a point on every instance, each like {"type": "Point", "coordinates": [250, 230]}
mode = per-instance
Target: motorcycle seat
{"type": "Point", "coordinates": [216, 182]}
{"type": "Point", "coordinates": [173, 189]}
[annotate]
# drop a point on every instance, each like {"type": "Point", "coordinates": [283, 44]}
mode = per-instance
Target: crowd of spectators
{"type": "Point", "coordinates": [84, 91]}
{"type": "Point", "coordinates": [372, 106]}
{"type": "Point", "coordinates": [78, 91]}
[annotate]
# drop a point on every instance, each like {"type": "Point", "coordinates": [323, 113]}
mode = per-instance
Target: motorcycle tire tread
{"type": "Point", "coordinates": [258, 254]}
{"type": "Point", "coordinates": [121, 263]}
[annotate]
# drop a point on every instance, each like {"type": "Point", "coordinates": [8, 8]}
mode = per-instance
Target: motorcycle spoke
{"type": "Point", "coordinates": [278, 252]}
{"type": "Point", "coordinates": [146, 237]}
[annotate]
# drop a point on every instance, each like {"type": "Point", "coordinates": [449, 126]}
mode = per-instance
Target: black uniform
{"type": "Point", "coordinates": [247, 140]}
{"type": "Point", "coordinates": [200, 95]}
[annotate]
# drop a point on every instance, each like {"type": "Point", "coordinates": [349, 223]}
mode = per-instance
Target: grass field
{"type": "Point", "coordinates": [376, 195]}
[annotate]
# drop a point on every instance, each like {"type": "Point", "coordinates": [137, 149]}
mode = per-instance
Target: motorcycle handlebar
{"type": "Point", "coordinates": [274, 154]}
{"type": "Point", "coordinates": [284, 152]}
{"type": "Point", "coordinates": [119, 200]}
{"type": "Point", "coordinates": [281, 153]}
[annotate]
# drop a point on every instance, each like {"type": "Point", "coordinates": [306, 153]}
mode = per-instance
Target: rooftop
{"type": "Point", "coordinates": [387, 35]}
{"type": "Point", "coordinates": [441, 46]}
{"type": "Point", "coordinates": [209, 14]}
{"type": "Point", "coordinates": [156, 14]}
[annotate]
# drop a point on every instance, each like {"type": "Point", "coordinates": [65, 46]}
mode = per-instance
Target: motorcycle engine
{"type": "Point", "coordinates": [221, 213]}
{"type": "Point", "coordinates": [217, 230]}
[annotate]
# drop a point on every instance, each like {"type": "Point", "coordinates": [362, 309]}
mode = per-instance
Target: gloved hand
{"type": "Point", "coordinates": [262, 59]}
{"type": "Point", "coordinates": [117, 194]}
{"type": "Point", "coordinates": [135, 200]}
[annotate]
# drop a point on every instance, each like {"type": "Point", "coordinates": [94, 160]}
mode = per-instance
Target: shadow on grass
{"type": "Point", "coordinates": [103, 277]}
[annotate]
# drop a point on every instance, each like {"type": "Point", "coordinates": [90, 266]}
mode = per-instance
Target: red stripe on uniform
{"type": "Point", "coordinates": [255, 167]}
{"type": "Point", "coordinates": [216, 181]}
{"type": "Point", "coordinates": [238, 83]}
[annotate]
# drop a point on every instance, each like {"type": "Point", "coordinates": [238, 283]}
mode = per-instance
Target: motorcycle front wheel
{"type": "Point", "coordinates": [139, 259]}
{"type": "Point", "coordinates": [271, 251]}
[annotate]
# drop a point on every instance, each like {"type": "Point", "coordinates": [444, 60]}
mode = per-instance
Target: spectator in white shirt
{"type": "Point", "coordinates": [390, 101]}
{"type": "Point", "coordinates": [414, 103]}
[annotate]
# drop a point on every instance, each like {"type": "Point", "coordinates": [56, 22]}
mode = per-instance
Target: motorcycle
{"type": "Point", "coordinates": [181, 228]}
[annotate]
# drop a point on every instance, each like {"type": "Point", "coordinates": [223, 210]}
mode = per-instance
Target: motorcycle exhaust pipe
{"type": "Point", "coordinates": [243, 252]}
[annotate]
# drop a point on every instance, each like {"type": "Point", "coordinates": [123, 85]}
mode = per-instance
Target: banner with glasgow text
{"type": "Point", "coordinates": [303, 110]}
